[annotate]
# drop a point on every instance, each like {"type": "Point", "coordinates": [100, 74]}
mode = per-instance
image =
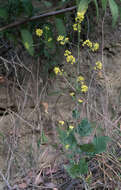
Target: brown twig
{"type": "Point", "coordinates": [17, 23]}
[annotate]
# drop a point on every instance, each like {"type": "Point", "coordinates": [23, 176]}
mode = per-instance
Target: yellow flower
{"type": "Point", "coordinates": [80, 78]}
{"type": "Point", "coordinates": [62, 43]}
{"type": "Point", "coordinates": [95, 47]}
{"type": "Point", "coordinates": [98, 65]}
{"type": "Point", "coordinates": [61, 123]}
{"type": "Point", "coordinates": [72, 94]}
{"type": "Point", "coordinates": [71, 59]}
{"type": "Point", "coordinates": [66, 39]}
{"type": "Point", "coordinates": [75, 27]}
{"type": "Point", "coordinates": [39, 32]}
{"type": "Point", "coordinates": [49, 39]}
{"type": "Point", "coordinates": [60, 38]}
{"type": "Point", "coordinates": [84, 88]}
{"type": "Point", "coordinates": [57, 70]}
{"type": "Point", "coordinates": [80, 101]}
{"type": "Point", "coordinates": [47, 28]}
{"type": "Point", "coordinates": [80, 16]}
{"type": "Point", "coordinates": [88, 43]}
{"type": "Point", "coordinates": [67, 146]}
{"type": "Point", "coordinates": [67, 52]}
{"type": "Point", "coordinates": [71, 127]}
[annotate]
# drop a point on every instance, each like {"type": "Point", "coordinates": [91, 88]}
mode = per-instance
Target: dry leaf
{"type": "Point", "coordinates": [38, 179]}
{"type": "Point", "coordinates": [2, 79]}
{"type": "Point", "coordinates": [45, 105]}
{"type": "Point", "coordinates": [100, 75]}
{"type": "Point", "coordinates": [22, 185]}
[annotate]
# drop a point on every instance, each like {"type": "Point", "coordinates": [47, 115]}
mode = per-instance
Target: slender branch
{"type": "Point", "coordinates": [5, 180]}
{"type": "Point", "coordinates": [17, 23]}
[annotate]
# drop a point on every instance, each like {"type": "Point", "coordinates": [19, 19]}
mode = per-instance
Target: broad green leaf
{"type": "Point", "coordinates": [76, 170]}
{"type": "Point", "coordinates": [100, 143]}
{"type": "Point", "coordinates": [27, 41]}
{"type": "Point", "coordinates": [97, 10]}
{"type": "Point", "coordinates": [71, 140]}
{"type": "Point", "coordinates": [84, 128]}
{"type": "Point", "coordinates": [3, 13]}
{"type": "Point", "coordinates": [114, 11]}
{"type": "Point", "coordinates": [87, 147]}
{"type": "Point", "coordinates": [60, 26]}
{"type": "Point", "coordinates": [83, 5]}
{"type": "Point", "coordinates": [104, 4]}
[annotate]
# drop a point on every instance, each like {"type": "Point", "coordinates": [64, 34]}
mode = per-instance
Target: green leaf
{"type": "Point", "coordinates": [120, 11]}
{"type": "Point", "coordinates": [104, 4]}
{"type": "Point", "coordinates": [3, 13]}
{"type": "Point", "coordinates": [27, 41]}
{"type": "Point", "coordinates": [75, 114]}
{"type": "Point", "coordinates": [97, 10]}
{"type": "Point", "coordinates": [87, 147]}
{"type": "Point", "coordinates": [60, 26]}
{"type": "Point", "coordinates": [71, 140]}
{"type": "Point", "coordinates": [62, 135]}
{"type": "Point", "coordinates": [84, 128]}
{"type": "Point", "coordinates": [83, 5]}
{"type": "Point", "coordinates": [28, 7]}
{"type": "Point", "coordinates": [114, 11]}
{"type": "Point", "coordinates": [100, 143]}
{"type": "Point", "coordinates": [76, 170]}
{"type": "Point", "coordinates": [44, 138]}
{"type": "Point", "coordinates": [47, 4]}
{"type": "Point", "coordinates": [49, 38]}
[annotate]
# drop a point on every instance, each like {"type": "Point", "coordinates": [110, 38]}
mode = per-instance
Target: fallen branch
{"type": "Point", "coordinates": [17, 23]}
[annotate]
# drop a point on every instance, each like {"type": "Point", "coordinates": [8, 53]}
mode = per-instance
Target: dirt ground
{"type": "Point", "coordinates": [29, 113]}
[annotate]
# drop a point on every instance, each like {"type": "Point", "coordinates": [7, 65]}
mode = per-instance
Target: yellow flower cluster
{"type": "Point", "coordinates": [67, 146]}
{"type": "Point", "coordinates": [72, 94]}
{"type": "Point", "coordinates": [71, 127]}
{"type": "Point", "coordinates": [47, 28]}
{"type": "Point", "coordinates": [80, 79]}
{"type": "Point", "coordinates": [49, 39]}
{"type": "Point", "coordinates": [63, 40]}
{"type": "Point", "coordinates": [98, 65]}
{"type": "Point", "coordinates": [75, 27]}
{"type": "Point", "coordinates": [78, 20]}
{"type": "Point", "coordinates": [88, 43]}
{"type": "Point", "coordinates": [69, 57]}
{"type": "Point", "coordinates": [61, 122]}
{"type": "Point", "coordinates": [80, 100]}
{"type": "Point", "coordinates": [92, 46]}
{"type": "Point", "coordinates": [95, 47]}
{"type": "Point", "coordinates": [57, 71]}
{"type": "Point", "coordinates": [84, 88]}
{"type": "Point", "coordinates": [39, 32]}
{"type": "Point", "coordinates": [80, 17]}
